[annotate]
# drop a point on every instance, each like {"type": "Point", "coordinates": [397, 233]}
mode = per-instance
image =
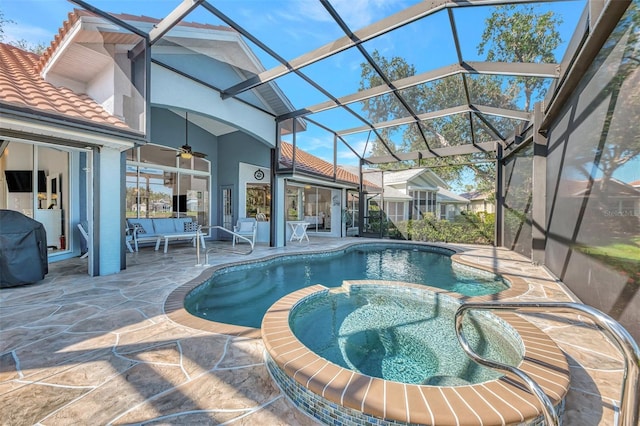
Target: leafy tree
{"type": "Point", "coordinates": [618, 136]}
{"type": "Point", "coordinates": [512, 34]}
{"type": "Point", "coordinates": [445, 131]}
{"type": "Point", "coordinates": [4, 21]}
{"type": "Point", "coordinates": [517, 33]}
{"type": "Point", "coordinates": [37, 48]}
{"type": "Point", "coordinates": [385, 107]}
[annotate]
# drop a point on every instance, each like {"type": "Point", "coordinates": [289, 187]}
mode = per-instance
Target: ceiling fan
{"type": "Point", "coordinates": [185, 150]}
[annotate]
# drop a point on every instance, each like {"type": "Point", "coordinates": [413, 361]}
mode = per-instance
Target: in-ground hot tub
{"type": "Point", "coordinates": [387, 354]}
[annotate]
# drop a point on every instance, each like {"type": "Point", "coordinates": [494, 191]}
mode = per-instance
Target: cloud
{"type": "Point", "coordinates": [357, 146]}
{"type": "Point", "coordinates": [360, 13]}
{"type": "Point", "coordinates": [31, 33]}
{"type": "Point", "coordinates": [311, 144]}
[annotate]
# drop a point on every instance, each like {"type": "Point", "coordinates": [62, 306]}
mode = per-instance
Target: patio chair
{"type": "Point", "coordinates": [84, 231]}
{"type": "Point", "coordinates": [247, 227]}
{"type": "Point", "coordinates": [128, 238]}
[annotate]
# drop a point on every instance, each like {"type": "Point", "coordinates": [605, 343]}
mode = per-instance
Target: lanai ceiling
{"type": "Point", "coordinates": [319, 70]}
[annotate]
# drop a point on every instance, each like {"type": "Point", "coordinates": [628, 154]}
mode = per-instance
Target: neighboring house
{"type": "Point", "coordinates": [479, 202]}
{"type": "Point", "coordinates": [413, 193]}
{"type": "Point", "coordinates": [612, 198]}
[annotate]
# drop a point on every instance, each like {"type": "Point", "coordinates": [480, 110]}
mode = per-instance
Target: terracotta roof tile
{"type": "Point", "coordinates": [22, 86]}
{"type": "Point", "coordinates": [310, 163]}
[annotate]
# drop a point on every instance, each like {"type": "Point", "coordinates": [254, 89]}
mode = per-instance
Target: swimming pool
{"type": "Point", "coordinates": [240, 295]}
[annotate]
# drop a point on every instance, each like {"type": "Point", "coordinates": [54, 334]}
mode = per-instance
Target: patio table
{"type": "Point", "coordinates": [298, 230]}
{"type": "Point", "coordinates": [197, 235]}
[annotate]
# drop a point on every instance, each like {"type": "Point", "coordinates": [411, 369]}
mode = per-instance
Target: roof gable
{"type": "Point", "coordinates": [219, 44]}
{"type": "Point", "coordinates": [22, 86]}
{"type": "Point", "coordinates": [415, 177]}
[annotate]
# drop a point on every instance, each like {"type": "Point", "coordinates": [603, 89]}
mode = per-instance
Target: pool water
{"type": "Point", "coordinates": [241, 295]}
{"type": "Point", "coordinates": [396, 335]}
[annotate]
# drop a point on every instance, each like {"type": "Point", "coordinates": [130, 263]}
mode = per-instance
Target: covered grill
{"type": "Point", "coordinates": [23, 249]}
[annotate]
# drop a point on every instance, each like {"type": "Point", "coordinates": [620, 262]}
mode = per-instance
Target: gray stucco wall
{"type": "Point", "coordinates": [167, 128]}
{"type": "Point", "coordinates": [224, 152]}
{"type": "Point", "coordinates": [234, 148]}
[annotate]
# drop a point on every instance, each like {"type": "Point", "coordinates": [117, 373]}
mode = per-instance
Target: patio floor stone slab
{"type": "Point", "coordinates": [128, 389]}
{"type": "Point", "coordinates": [31, 403]}
{"type": "Point", "coordinates": [87, 350]}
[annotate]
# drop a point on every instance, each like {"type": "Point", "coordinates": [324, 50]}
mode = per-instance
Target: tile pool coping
{"type": "Point", "coordinates": [174, 304]}
{"type": "Point", "coordinates": [499, 401]}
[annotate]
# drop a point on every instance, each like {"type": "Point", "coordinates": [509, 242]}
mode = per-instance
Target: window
{"type": "Point", "coordinates": [423, 202]}
{"type": "Point", "coordinates": [311, 204]}
{"type": "Point", "coordinates": [258, 200]}
{"type": "Point", "coordinates": [294, 200]}
{"type": "Point", "coordinates": [163, 185]}
{"type": "Point", "coordinates": [395, 211]}
{"type": "Point", "coordinates": [37, 184]}
{"type": "Point", "coordinates": [352, 212]}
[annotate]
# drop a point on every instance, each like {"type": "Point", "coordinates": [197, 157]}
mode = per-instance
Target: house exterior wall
{"type": "Point", "coordinates": [167, 128]}
{"type": "Point", "coordinates": [233, 149]}
{"type": "Point", "coordinates": [205, 68]}
{"type": "Point", "coordinates": [478, 206]}
{"type": "Point", "coordinates": [192, 96]}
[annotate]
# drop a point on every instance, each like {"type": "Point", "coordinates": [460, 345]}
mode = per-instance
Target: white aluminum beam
{"type": "Point", "coordinates": [499, 112]}
{"type": "Point", "coordinates": [172, 19]}
{"type": "Point", "coordinates": [494, 68]}
{"type": "Point", "coordinates": [397, 20]}
{"type": "Point", "coordinates": [448, 151]}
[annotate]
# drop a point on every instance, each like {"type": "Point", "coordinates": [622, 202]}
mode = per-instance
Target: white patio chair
{"type": "Point", "coordinates": [128, 238]}
{"type": "Point", "coordinates": [246, 227]}
{"type": "Point", "coordinates": [85, 234]}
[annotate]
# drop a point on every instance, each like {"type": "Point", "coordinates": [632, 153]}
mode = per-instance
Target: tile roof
{"type": "Point", "coordinates": [310, 163]}
{"type": "Point", "coordinates": [21, 85]}
{"type": "Point", "coordinates": [474, 195]}
{"type": "Point", "coordinates": [402, 175]}
{"type": "Point", "coordinates": [614, 187]}
{"type": "Point", "coordinates": [451, 197]}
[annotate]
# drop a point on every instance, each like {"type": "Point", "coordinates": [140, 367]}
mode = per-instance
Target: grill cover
{"type": "Point", "coordinates": [23, 249]}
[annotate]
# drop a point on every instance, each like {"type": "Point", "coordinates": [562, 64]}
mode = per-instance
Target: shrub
{"type": "Point", "coordinates": [467, 228]}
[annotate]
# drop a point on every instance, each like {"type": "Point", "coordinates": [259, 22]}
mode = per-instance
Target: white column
{"type": "Point", "coordinates": [109, 226]}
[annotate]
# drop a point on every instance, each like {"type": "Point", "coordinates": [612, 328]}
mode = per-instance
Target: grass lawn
{"type": "Point", "coordinates": [623, 256]}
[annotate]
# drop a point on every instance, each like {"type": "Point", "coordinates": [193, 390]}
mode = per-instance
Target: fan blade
{"type": "Point", "coordinates": [199, 154]}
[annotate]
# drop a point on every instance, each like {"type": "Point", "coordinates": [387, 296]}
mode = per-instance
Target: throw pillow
{"type": "Point", "coordinates": [190, 226]}
{"type": "Point", "coordinates": [139, 229]}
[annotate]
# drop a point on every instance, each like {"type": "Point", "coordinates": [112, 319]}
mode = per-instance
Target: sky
{"type": "Point", "coordinates": [294, 27]}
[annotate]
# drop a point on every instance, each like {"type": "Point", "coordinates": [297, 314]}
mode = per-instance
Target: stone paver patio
{"type": "Point", "coordinates": [76, 349]}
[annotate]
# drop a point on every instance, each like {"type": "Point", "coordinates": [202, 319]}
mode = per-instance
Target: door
{"type": "Point", "coordinates": [226, 214]}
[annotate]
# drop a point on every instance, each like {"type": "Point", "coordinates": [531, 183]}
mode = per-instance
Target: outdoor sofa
{"type": "Point", "coordinates": [156, 230]}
